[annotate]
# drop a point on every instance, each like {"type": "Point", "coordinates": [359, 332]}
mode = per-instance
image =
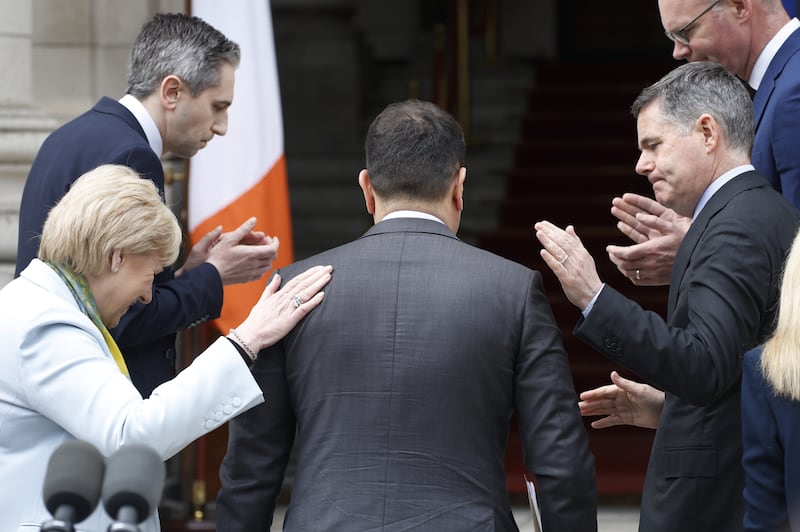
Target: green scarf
{"type": "Point", "coordinates": [83, 297]}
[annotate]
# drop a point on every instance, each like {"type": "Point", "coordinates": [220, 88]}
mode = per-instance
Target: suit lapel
{"type": "Point", "coordinates": [774, 70]}
{"type": "Point", "coordinates": [718, 201]}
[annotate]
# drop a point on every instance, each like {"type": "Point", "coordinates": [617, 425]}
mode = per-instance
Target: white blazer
{"type": "Point", "coordinates": [59, 381]}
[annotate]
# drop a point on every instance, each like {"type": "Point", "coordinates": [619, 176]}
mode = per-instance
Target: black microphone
{"type": "Point", "coordinates": [132, 487]}
{"type": "Point", "coordinates": [72, 484]}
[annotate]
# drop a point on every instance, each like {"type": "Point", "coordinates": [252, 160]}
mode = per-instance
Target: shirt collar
{"type": "Point", "coordinates": [770, 50]}
{"type": "Point", "coordinates": [717, 184]}
{"type": "Point", "coordinates": [137, 109]}
{"type": "Point", "coordinates": [411, 214]}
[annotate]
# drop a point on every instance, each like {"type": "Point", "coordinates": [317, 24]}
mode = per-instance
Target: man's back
{"type": "Point", "coordinates": [402, 385]}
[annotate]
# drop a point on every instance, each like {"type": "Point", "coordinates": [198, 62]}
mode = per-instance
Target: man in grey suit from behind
{"type": "Point", "coordinates": [401, 385]}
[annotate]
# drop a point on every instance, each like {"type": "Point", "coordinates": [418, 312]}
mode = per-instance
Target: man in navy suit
{"type": "Point", "coordinates": [180, 85]}
{"type": "Point", "coordinates": [760, 43]}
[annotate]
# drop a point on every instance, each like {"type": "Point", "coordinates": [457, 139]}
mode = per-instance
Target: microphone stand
{"type": "Point", "coordinates": [126, 519]}
{"type": "Point", "coordinates": [62, 520]}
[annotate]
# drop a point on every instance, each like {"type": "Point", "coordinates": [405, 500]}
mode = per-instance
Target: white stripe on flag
{"type": "Point", "coordinates": [230, 165]}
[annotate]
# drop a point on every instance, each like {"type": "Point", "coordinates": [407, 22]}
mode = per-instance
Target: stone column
{"type": "Point", "coordinates": [22, 126]}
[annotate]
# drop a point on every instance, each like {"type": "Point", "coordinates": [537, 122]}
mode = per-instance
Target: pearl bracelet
{"type": "Point", "coordinates": [249, 350]}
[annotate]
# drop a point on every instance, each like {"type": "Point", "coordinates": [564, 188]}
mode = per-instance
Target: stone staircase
{"type": "Point", "coordinates": [576, 151]}
{"type": "Point", "coordinates": [327, 206]}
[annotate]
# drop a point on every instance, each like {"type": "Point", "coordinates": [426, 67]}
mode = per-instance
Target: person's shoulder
{"type": "Point", "coordinates": [498, 262]}
{"type": "Point", "coordinates": [466, 257]}
{"type": "Point", "coordinates": [752, 358]}
{"type": "Point", "coordinates": [323, 258]}
{"type": "Point", "coordinates": [757, 199]}
{"type": "Point", "coordinates": [37, 298]}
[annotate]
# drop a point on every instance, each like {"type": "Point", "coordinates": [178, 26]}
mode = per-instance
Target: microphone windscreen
{"type": "Point", "coordinates": [73, 478]}
{"type": "Point", "coordinates": [135, 478]}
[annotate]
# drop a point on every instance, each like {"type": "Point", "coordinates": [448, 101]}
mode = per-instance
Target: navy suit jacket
{"type": "Point", "coordinates": [771, 436]}
{"type": "Point", "coordinates": [722, 302]}
{"type": "Point", "coordinates": [400, 387]}
{"type": "Point", "coordinates": [109, 133]}
{"type": "Point", "coordinates": [777, 114]}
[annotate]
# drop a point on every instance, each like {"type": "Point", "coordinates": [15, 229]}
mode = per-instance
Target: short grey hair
{"type": "Point", "coordinates": [179, 45]}
{"type": "Point", "coordinates": [702, 87]}
{"type": "Point", "coordinates": [108, 208]}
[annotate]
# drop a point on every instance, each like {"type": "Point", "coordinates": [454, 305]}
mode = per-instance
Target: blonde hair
{"type": "Point", "coordinates": [108, 208]}
{"type": "Point", "coordinates": [780, 358]}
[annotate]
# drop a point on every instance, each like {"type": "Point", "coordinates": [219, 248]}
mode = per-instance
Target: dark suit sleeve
{"type": "Point", "coordinates": [763, 456]}
{"type": "Point", "coordinates": [259, 445]}
{"type": "Point", "coordinates": [177, 303]}
{"type": "Point", "coordinates": [553, 435]}
{"type": "Point", "coordinates": [718, 315]}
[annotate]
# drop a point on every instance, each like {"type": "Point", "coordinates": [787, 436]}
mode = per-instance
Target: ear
{"type": "Point", "coordinates": [458, 189]}
{"type": "Point", "coordinates": [709, 128]}
{"type": "Point", "coordinates": [743, 9]}
{"type": "Point", "coordinates": [170, 91]}
{"type": "Point", "coordinates": [117, 259]}
{"type": "Point", "coordinates": [366, 188]}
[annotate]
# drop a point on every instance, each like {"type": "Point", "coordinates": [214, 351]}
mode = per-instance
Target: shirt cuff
{"type": "Point", "coordinates": [588, 308]}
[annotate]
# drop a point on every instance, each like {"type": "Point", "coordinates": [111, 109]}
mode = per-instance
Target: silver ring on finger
{"type": "Point", "coordinates": [297, 301]}
{"type": "Point", "coordinates": [638, 275]}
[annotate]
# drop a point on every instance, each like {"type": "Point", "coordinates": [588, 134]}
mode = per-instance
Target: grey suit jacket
{"type": "Point", "coordinates": [401, 386]}
{"type": "Point", "coordinates": [722, 302]}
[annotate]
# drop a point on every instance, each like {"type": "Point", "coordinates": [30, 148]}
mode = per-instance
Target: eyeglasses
{"type": "Point", "coordinates": [680, 35]}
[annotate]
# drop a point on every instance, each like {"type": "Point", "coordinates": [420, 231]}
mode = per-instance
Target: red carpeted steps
{"type": "Point", "coordinates": [576, 152]}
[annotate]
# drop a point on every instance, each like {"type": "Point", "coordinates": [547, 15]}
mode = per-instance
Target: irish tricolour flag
{"type": "Point", "coordinates": [243, 174]}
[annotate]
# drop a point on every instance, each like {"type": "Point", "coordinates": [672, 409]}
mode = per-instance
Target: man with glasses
{"type": "Point", "coordinates": [682, 35]}
{"type": "Point", "coordinates": [759, 42]}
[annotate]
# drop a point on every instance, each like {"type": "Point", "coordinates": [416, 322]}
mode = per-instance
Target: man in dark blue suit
{"type": "Point", "coordinates": [760, 43]}
{"type": "Point", "coordinates": [695, 131]}
{"type": "Point", "coordinates": [180, 85]}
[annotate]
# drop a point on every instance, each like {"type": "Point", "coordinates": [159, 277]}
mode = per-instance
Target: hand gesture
{"type": "Point", "coordinates": [242, 255]}
{"type": "Point", "coordinates": [624, 402]}
{"type": "Point", "coordinates": [199, 252]}
{"type": "Point", "coordinates": [564, 253]}
{"type": "Point", "coordinates": [657, 231]}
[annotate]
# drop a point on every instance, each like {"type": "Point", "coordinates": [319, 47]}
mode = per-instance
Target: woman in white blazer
{"type": "Point", "coordinates": [61, 374]}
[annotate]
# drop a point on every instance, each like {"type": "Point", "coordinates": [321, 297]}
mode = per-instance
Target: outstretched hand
{"type": "Point", "coordinates": [625, 402]}
{"type": "Point", "coordinates": [564, 253]}
{"type": "Point", "coordinates": [657, 232]}
{"type": "Point", "coordinates": [278, 311]}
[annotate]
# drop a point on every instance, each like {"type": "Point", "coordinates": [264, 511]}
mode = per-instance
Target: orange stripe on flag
{"type": "Point", "coordinates": [268, 200]}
